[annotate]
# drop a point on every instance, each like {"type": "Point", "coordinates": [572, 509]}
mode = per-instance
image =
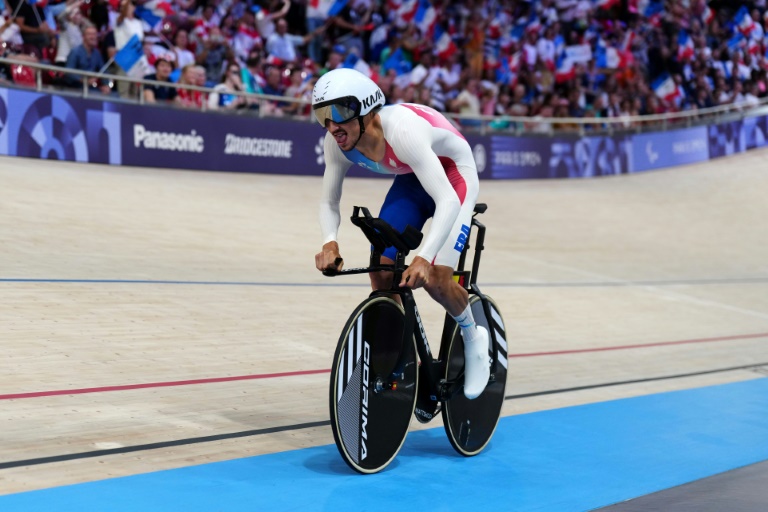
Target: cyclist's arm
{"type": "Point", "coordinates": [412, 143]}
{"type": "Point", "coordinates": [336, 166]}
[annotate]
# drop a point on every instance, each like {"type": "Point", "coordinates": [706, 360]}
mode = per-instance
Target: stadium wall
{"type": "Point", "coordinates": [50, 126]}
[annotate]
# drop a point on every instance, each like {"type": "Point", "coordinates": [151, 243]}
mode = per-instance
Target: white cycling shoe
{"type": "Point", "coordinates": [477, 364]}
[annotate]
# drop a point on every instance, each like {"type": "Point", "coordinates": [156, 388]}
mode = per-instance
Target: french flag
{"type": "Point", "coordinates": [504, 74]}
{"type": "Point", "coordinates": [685, 48]}
{"type": "Point", "coordinates": [378, 41]}
{"type": "Point", "coordinates": [737, 42]}
{"type": "Point", "coordinates": [336, 7]}
{"type": "Point", "coordinates": [606, 4]}
{"type": "Point", "coordinates": [444, 45]}
{"type": "Point", "coordinates": [653, 12]}
{"type": "Point", "coordinates": [327, 8]}
{"type": "Point", "coordinates": [494, 29]}
{"type": "Point", "coordinates": [607, 57]}
{"type": "Point", "coordinates": [665, 87]}
{"type": "Point", "coordinates": [393, 5]}
{"type": "Point", "coordinates": [508, 69]}
{"type": "Point", "coordinates": [565, 69]}
{"type": "Point", "coordinates": [707, 15]}
{"type": "Point", "coordinates": [425, 18]}
{"type": "Point", "coordinates": [744, 22]}
{"type": "Point", "coordinates": [629, 39]}
{"type": "Point", "coordinates": [534, 24]}
{"type": "Point", "coordinates": [154, 11]}
{"type": "Point", "coordinates": [753, 47]}
{"type": "Point", "coordinates": [407, 11]}
{"type": "Point", "coordinates": [518, 32]}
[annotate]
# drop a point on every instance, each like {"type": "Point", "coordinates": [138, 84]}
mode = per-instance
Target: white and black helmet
{"type": "Point", "coordinates": [344, 94]}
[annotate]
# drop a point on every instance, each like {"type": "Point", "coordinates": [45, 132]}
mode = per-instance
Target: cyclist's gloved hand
{"type": "Point", "coordinates": [417, 274]}
{"type": "Point", "coordinates": [329, 258]}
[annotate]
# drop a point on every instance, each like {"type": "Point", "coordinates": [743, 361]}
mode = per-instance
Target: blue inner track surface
{"type": "Point", "coordinates": [570, 459]}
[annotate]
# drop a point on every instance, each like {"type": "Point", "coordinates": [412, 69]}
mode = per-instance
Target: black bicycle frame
{"type": "Point", "coordinates": [382, 235]}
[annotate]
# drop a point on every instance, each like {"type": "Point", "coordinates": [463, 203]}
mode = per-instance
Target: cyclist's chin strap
{"type": "Point", "coordinates": [362, 126]}
{"type": "Point", "coordinates": [362, 131]}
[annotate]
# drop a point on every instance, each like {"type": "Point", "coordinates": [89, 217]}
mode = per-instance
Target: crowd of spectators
{"type": "Point", "coordinates": [538, 58]}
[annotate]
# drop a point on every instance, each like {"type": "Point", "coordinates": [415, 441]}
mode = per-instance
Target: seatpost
{"type": "Point", "coordinates": [478, 249]}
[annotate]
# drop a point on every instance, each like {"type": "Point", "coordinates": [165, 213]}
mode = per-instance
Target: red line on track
{"type": "Point", "coordinates": [128, 387]}
{"type": "Point", "coordinates": [158, 384]}
{"type": "Point", "coordinates": [645, 345]}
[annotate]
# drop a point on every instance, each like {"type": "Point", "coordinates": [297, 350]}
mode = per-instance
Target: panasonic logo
{"type": "Point", "coordinates": [167, 141]}
{"type": "Point", "coordinates": [364, 415]}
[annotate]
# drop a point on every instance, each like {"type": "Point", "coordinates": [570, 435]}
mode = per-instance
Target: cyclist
{"type": "Point", "coordinates": [435, 177]}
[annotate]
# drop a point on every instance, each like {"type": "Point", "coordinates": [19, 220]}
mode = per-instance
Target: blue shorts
{"type": "Point", "coordinates": [406, 203]}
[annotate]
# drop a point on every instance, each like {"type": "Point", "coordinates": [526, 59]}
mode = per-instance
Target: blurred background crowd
{"type": "Point", "coordinates": [545, 58]}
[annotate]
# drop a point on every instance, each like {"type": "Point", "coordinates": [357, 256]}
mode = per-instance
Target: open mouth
{"type": "Point", "coordinates": [340, 136]}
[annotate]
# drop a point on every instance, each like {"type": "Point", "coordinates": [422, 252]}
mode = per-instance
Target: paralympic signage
{"type": "Point", "coordinates": [58, 127]}
{"type": "Point", "coordinates": [558, 157]}
{"type": "Point", "coordinates": [667, 149]}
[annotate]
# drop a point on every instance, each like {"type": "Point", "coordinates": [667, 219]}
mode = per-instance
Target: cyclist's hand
{"type": "Point", "coordinates": [417, 274]}
{"type": "Point", "coordinates": [329, 257]}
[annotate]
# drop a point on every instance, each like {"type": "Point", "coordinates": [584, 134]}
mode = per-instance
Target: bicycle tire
{"type": "Point", "coordinates": [369, 419]}
{"type": "Point", "coordinates": [470, 424]}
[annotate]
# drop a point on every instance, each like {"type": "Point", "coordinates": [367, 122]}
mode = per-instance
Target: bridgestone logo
{"type": "Point", "coordinates": [167, 141]}
{"type": "Point", "coordinates": [273, 148]}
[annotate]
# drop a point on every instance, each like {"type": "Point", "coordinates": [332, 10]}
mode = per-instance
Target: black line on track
{"type": "Point", "coordinates": [634, 381]}
{"type": "Point", "coordinates": [155, 446]}
{"type": "Point", "coordinates": [299, 426]}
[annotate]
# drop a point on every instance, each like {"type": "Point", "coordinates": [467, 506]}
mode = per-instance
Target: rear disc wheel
{"type": "Point", "coordinates": [470, 424]}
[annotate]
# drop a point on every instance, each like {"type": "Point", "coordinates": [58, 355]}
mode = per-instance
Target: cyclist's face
{"type": "Point", "coordinates": [345, 134]}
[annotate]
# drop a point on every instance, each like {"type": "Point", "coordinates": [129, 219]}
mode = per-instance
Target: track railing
{"type": "Point", "coordinates": [483, 125]}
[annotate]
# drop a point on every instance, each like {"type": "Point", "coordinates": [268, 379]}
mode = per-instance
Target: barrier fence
{"type": "Point", "coordinates": [42, 124]}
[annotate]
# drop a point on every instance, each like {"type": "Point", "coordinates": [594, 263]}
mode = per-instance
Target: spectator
{"type": "Point", "coordinates": [160, 93]}
{"type": "Point", "coordinates": [222, 97]}
{"type": "Point", "coordinates": [35, 31]}
{"type": "Point", "coordinates": [126, 26]}
{"type": "Point", "coordinates": [299, 88]}
{"type": "Point", "coordinates": [246, 37]}
{"type": "Point", "coordinates": [205, 22]}
{"type": "Point", "coordinates": [350, 26]}
{"type": "Point", "coordinates": [252, 74]}
{"type": "Point", "coordinates": [10, 32]}
{"type": "Point", "coordinates": [71, 24]}
{"type": "Point", "coordinates": [184, 56]}
{"type": "Point", "coordinates": [273, 87]}
{"type": "Point", "coordinates": [468, 102]}
{"type": "Point", "coordinates": [282, 45]}
{"type": "Point", "coordinates": [266, 18]}
{"type": "Point", "coordinates": [86, 57]}
{"type": "Point", "coordinates": [507, 44]}
{"type": "Point", "coordinates": [215, 56]}
{"type": "Point", "coordinates": [190, 75]}
{"type": "Point", "coordinates": [317, 15]}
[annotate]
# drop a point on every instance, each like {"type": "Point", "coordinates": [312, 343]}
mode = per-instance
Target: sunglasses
{"type": "Point", "coordinates": [340, 110]}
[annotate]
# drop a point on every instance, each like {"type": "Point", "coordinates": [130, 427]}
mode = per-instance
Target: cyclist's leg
{"type": "Point", "coordinates": [452, 296]}
{"type": "Point", "coordinates": [441, 286]}
{"type": "Point", "coordinates": [406, 203]}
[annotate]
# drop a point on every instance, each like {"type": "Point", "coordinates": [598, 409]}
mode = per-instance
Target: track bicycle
{"type": "Point", "coordinates": [383, 370]}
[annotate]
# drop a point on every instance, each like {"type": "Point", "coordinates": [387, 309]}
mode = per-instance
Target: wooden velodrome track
{"type": "Point", "coordinates": [155, 319]}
